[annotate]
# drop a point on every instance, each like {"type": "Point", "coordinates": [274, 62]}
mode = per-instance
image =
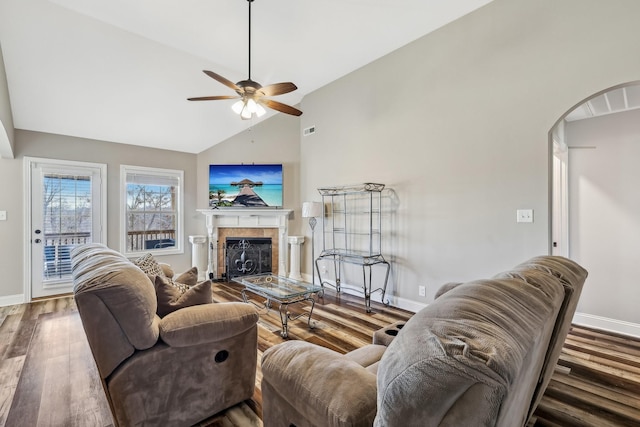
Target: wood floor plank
{"type": "Point", "coordinates": [626, 357]}
{"type": "Point", "coordinates": [625, 372]}
{"type": "Point", "coordinates": [590, 387]}
{"type": "Point", "coordinates": [10, 370]}
{"type": "Point", "coordinates": [567, 415]}
{"type": "Point", "coordinates": [27, 398]}
{"type": "Point", "coordinates": [579, 398]}
{"type": "Point", "coordinates": [10, 325]}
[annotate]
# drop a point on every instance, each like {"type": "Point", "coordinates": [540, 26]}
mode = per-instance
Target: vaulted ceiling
{"type": "Point", "coordinates": [121, 70]}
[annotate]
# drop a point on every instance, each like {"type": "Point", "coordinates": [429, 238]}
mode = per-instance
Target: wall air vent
{"type": "Point", "coordinates": [308, 131]}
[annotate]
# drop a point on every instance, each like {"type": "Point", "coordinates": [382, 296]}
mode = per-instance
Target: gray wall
{"type": "Point", "coordinates": [457, 124]}
{"type": "Point", "coordinates": [6, 118]}
{"type": "Point", "coordinates": [35, 144]}
{"type": "Point", "coordinates": [603, 208]}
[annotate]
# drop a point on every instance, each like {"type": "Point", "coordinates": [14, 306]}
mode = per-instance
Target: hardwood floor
{"type": "Point", "coordinates": [48, 377]}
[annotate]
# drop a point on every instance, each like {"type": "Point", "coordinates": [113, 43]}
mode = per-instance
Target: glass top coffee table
{"type": "Point", "coordinates": [282, 290]}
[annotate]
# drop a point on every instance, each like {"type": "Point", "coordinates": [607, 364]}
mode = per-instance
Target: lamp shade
{"type": "Point", "coordinates": [312, 209]}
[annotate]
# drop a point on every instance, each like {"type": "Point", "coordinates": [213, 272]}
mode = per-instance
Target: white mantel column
{"type": "Point", "coordinates": [295, 242]}
{"type": "Point", "coordinates": [199, 255]}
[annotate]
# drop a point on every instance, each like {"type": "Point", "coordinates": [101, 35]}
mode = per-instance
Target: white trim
{"type": "Point", "coordinates": [175, 173]}
{"type": "Point", "coordinates": [11, 300]}
{"type": "Point", "coordinates": [28, 163]}
{"type": "Point", "coordinates": [394, 301]}
{"type": "Point", "coordinates": [607, 324]}
{"type": "Point", "coordinates": [407, 304]}
{"type": "Point", "coordinates": [26, 209]}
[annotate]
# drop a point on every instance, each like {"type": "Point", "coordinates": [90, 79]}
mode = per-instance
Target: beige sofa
{"type": "Point", "coordinates": [481, 354]}
{"type": "Point", "coordinates": [170, 371]}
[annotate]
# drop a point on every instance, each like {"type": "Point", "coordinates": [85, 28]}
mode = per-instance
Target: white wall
{"type": "Point", "coordinates": [604, 212]}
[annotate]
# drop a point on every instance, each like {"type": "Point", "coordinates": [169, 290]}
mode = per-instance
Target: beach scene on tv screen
{"type": "Point", "coordinates": [245, 186]}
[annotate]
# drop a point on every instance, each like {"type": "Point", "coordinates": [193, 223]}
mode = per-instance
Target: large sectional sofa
{"type": "Point", "coordinates": [481, 354]}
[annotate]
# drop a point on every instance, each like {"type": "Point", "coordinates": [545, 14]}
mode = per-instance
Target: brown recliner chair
{"type": "Point", "coordinates": [171, 371]}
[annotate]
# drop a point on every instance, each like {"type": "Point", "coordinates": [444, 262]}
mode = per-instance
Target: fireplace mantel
{"type": "Point", "coordinates": [246, 218]}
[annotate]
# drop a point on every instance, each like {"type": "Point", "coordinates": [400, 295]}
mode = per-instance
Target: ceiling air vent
{"type": "Point", "coordinates": [308, 131]}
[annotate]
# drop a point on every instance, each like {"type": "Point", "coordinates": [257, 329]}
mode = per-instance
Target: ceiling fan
{"type": "Point", "coordinates": [252, 95]}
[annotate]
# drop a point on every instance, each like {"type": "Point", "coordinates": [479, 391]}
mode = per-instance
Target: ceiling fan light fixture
{"type": "Point", "coordinates": [247, 107]}
{"type": "Point", "coordinates": [246, 114]}
{"type": "Point", "coordinates": [253, 96]}
{"type": "Point", "coordinates": [238, 106]}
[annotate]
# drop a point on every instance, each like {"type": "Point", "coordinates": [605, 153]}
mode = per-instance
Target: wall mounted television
{"type": "Point", "coordinates": [245, 185]}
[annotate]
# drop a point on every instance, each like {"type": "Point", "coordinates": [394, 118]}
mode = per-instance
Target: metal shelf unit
{"type": "Point", "coordinates": [352, 234]}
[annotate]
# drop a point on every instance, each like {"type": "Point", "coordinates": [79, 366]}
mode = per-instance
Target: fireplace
{"type": "Point", "coordinates": [253, 223]}
{"type": "Point", "coordinates": [247, 256]}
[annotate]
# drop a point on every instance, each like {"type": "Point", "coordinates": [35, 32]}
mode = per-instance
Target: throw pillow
{"type": "Point", "coordinates": [149, 265]}
{"type": "Point", "coordinates": [171, 298]}
{"type": "Point", "coordinates": [189, 277]}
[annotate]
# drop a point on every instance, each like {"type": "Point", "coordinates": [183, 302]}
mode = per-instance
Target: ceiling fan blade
{"type": "Point", "coordinates": [213, 98]}
{"type": "Point", "coordinates": [221, 79]}
{"type": "Point", "coordinates": [278, 89]}
{"type": "Point", "coordinates": [279, 106]}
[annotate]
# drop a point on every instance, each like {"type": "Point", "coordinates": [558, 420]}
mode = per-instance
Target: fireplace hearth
{"type": "Point", "coordinates": [247, 256]}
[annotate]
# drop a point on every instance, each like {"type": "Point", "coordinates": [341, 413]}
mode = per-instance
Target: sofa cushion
{"type": "Point", "coordinates": [320, 384]}
{"type": "Point", "coordinates": [170, 298]}
{"type": "Point", "coordinates": [202, 324]}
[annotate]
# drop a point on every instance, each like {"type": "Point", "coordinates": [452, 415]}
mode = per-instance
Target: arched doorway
{"type": "Point", "coordinates": [595, 218]}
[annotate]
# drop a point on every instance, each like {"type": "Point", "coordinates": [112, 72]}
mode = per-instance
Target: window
{"type": "Point", "coordinates": [151, 217]}
{"type": "Point", "coordinates": [67, 220]}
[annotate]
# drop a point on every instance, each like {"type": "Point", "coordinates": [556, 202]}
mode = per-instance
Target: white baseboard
{"type": "Point", "coordinates": [607, 324]}
{"type": "Point", "coordinates": [11, 300]}
{"type": "Point", "coordinates": [590, 320]}
{"type": "Point", "coordinates": [394, 301]}
{"type": "Point", "coordinates": [406, 304]}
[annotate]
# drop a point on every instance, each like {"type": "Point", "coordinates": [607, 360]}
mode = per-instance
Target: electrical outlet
{"type": "Point", "coordinates": [3, 215]}
{"type": "Point", "coordinates": [422, 291]}
{"type": "Point", "coordinates": [524, 215]}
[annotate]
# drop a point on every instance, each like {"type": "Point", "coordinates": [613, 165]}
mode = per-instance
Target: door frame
{"type": "Point", "coordinates": [559, 244]}
{"type": "Point", "coordinates": [27, 165]}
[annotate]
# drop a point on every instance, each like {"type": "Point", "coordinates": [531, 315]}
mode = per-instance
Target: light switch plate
{"type": "Point", "coordinates": [3, 215]}
{"type": "Point", "coordinates": [524, 215]}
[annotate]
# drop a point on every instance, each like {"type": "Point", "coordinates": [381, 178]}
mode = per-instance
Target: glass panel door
{"type": "Point", "coordinates": [65, 213]}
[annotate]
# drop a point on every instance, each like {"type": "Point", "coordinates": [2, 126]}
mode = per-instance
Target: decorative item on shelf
{"type": "Point", "coordinates": [312, 210]}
